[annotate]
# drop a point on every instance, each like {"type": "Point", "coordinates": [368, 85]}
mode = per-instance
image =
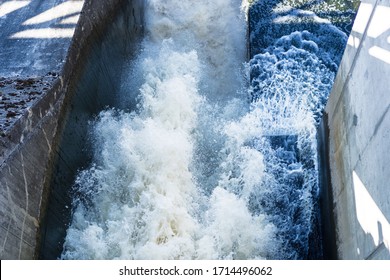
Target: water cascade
{"type": "Point", "coordinates": [205, 155]}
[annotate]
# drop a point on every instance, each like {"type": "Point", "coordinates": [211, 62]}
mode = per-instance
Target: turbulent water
{"type": "Point", "coordinates": [199, 166]}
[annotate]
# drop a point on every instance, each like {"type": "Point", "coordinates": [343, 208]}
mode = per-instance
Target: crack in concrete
{"type": "Point", "coordinates": [379, 123]}
{"type": "Point", "coordinates": [27, 202]}
{"type": "Point", "coordinates": [9, 220]}
{"type": "Point", "coordinates": [47, 140]}
{"type": "Point", "coordinates": [11, 202]}
{"type": "Point", "coordinates": [6, 238]}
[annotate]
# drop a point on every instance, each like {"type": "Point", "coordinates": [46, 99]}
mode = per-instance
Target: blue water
{"type": "Point", "coordinates": [295, 57]}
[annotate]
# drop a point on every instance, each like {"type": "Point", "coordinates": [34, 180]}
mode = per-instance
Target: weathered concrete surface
{"type": "Point", "coordinates": [19, 94]}
{"type": "Point", "coordinates": [359, 137]}
{"type": "Point", "coordinates": [34, 39]}
{"type": "Point", "coordinates": [39, 42]}
{"type": "Point", "coordinates": [35, 35]}
{"type": "Point", "coordinates": [28, 122]}
{"type": "Point", "coordinates": [97, 87]}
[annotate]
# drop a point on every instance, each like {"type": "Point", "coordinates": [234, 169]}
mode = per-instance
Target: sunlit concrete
{"type": "Point", "coordinates": [44, 33]}
{"type": "Point", "coordinates": [11, 6]}
{"type": "Point", "coordinates": [359, 137]}
{"type": "Point", "coordinates": [380, 22]}
{"type": "Point", "coordinates": [62, 10]}
{"type": "Point", "coordinates": [70, 20]}
{"type": "Point", "coordinates": [380, 53]}
{"type": "Point", "coordinates": [35, 35]}
{"type": "Point", "coordinates": [369, 215]}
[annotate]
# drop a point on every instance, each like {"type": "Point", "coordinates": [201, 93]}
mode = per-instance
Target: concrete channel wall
{"type": "Point", "coordinates": [30, 147]}
{"type": "Point", "coordinates": [98, 87]}
{"type": "Point", "coordinates": [358, 124]}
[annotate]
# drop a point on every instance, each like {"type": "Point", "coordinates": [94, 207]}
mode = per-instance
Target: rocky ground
{"type": "Point", "coordinates": [18, 94]}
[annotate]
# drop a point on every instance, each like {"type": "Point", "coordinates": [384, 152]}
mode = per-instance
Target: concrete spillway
{"type": "Point", "coordinates": [52, 138]}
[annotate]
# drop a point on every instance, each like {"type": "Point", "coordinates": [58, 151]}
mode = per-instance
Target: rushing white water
{"type": "Point", "coordinates": [194, 170]}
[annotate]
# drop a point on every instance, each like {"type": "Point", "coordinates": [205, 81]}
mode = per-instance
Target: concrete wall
{"type": "Point", "coordinates": [97, 87]}
{"type": "Point", "coordinates": [29, 149]}
{"type": "Point", "coordinates": [358, 122]}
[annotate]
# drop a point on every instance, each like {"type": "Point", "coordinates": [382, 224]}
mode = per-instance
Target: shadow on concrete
{"type": "Point", "coordinates": [34, 41]}
{"type": "Point", "coordinates": [96, 88]}
{"type": "Point", "coordinates": [374, 228]}
{"type": "Point", "coordinates": [34, 38]}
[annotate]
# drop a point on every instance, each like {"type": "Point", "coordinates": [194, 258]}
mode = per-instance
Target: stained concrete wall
{"type": "Point", "coordinates": [358, 123]}
{"type": "Point", "coordinates": [97, 88]}
{"type": "Point", "coordinates": [30, 148]}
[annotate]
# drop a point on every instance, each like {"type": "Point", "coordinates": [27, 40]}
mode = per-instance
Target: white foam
{"type": "Point", "coordinates": [189, 171]}
{"type": "Point", "coordinates": [143, 197]}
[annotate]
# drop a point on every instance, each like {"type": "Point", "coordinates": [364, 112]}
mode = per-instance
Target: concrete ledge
{"type": "Point", "coordinates": [359, 127]}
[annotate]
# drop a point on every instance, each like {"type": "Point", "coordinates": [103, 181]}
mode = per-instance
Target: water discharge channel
{"type": "Point", "coordinates": [200, 153]}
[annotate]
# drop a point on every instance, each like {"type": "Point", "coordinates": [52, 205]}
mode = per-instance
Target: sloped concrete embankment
{"type": "Point", "coordinates": [30, 149]}
{"type": "Point", "coordinates": [356, 132]}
